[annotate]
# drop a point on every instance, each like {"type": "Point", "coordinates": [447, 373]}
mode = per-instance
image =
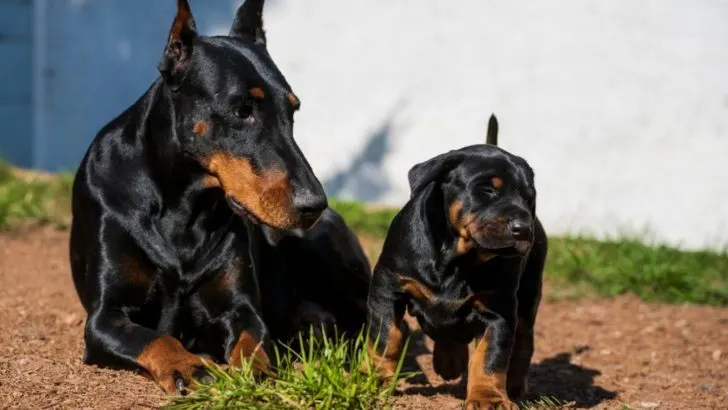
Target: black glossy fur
{"type": "Point", "coordinates": [315, 277]}
{"type": "Point", "coordinates": [165, 244]}
{"type": "Point", "coordinates": [465, 256]}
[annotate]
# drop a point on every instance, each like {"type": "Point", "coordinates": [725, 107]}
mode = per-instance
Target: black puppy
{"type": "Point", "coordinates": [314, 278]}
{"type": "Point", "coordinates": [164, 243]}
{"type": "Point", "coordinates": [465, 256]}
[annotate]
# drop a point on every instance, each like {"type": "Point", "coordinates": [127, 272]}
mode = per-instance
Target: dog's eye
{"type": "Point", "coordinates": [246, 112]}
{"type": "Point", "coordinates": [487, 190]}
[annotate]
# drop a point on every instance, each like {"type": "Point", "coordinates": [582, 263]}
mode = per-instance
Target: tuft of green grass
{"type": "Point", "coordinates": [328, 373]}
{"type": "Point", "coordinates": [363, 220]}
{"type": "Point", "coordinates": [581, 265]}
{"type": "Point", "coordinates": [33, 200]}
{"type": "Point", "coordinates": [656, 273]}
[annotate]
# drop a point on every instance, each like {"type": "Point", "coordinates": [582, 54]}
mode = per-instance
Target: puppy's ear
{"type": "Point", "coordinates": [492, 136]}
{"type": "Point", "coordinates": [177, 54]}
{"type": "Point", "coordinates": [431, 170]}
{"type": "Point", "coordinates": [248, 22]}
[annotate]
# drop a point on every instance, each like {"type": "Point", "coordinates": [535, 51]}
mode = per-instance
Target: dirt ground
{"type": "Point", "coordinates": [591, 353]}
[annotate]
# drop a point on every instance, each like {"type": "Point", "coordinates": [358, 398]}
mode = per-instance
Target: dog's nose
{"type": "Point", "coordinates": [520, 229]}
{"type": "Point", "coordinates": [310, 206]}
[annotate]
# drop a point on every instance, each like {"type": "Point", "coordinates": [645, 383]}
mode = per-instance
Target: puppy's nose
{"type": "Point", "coordinates": [520, 229]}
{"type": "Point", "coordinates": [309, 206]}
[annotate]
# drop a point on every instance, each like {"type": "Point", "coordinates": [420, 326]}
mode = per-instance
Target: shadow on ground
{"type": "Point", "coordinates": [557, 377]}
{"type": "Point", "coordinates": [554, 377]}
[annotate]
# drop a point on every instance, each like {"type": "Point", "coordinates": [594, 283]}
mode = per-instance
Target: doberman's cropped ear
{"type": "Point", "coordinates": [177, 54]}
{"type": "Point", "coordinates": [249, 22]}
{"type": "Point", "coordinates": [423, 173]}
{"type": "Point", "coordinates": [492, 135]}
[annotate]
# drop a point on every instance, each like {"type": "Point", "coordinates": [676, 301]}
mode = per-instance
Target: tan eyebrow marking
{"type": "Point", "coordinates": [257, 92]}
{"type": "Point", "coordinates": [497, 182]}
{"type": "Point", "coordinates": [295, 102]}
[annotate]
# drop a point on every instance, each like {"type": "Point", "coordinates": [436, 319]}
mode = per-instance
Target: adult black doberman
{"type": "Point", "coordinates": [168, 200]}
{"type": "Point", "coordinates": [465, 256]}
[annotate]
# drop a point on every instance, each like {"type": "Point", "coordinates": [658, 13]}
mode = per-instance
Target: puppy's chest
{"type": "Point", "coordinates": [450, 310]}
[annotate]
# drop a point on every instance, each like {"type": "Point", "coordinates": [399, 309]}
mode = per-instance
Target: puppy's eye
{"type": "Point", "coordinates": [245, 111]}
{"type": "Point", "coordinates": [487, 190]}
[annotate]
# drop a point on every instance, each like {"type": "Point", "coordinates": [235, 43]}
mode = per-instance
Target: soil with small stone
{"type": "Point", "coordinates": [589, 354]}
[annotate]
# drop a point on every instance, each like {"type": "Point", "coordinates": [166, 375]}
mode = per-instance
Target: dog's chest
{"type": "Point", "coordinates": [447, 312]}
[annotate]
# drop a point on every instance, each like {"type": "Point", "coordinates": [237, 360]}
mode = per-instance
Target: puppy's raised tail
{"type": "Point", "coordinates": [492, 135]}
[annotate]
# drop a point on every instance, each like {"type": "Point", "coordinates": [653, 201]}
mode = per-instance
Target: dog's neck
{"type": "Point", "coordinates": [164, 156]}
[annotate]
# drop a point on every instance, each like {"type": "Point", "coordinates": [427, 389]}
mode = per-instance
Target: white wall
{"type": "Point", "coordinates": [620, 106]}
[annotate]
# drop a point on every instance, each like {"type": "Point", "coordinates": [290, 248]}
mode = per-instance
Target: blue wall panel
{"type": "Point", "coordinates": [15, 18]}
{"type": "Point", "coordinates": [16, 138]}
{"type": "Point", "coordinates": [99, 57]}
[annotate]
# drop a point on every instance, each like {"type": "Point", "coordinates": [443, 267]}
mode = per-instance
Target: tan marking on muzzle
{"type": "Point", "coordinates": [267, 196]}
{"type": "Point", "coordinates": [460, 222]}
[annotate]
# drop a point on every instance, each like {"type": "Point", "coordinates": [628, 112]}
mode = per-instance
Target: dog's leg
{"type": "Point", "coordinates": [386, 311]}
{"type": "Point", "coordinates": [529, 297]}
{"type": "Point", "coordinates": [246, 339]}
{"type": "Point", "coordinates": [450, 359]}
{"type": "Point", "coordinates": [112, 338]}
{"type": "Point", "coordinates": [488, 367]}
{"type": "Point", "coordinates": [520, 359]}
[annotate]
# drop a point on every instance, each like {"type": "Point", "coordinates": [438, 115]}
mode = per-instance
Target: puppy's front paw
{"type": "Point", "coordinates": [495, 402]}
{"type": "Point", "coordinates": [450, 359]}
{"type": "Point", "coordinates": [518, 390]}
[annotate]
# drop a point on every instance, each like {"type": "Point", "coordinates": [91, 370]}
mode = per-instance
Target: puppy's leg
{"type": "Point", "coordinates": [488, 368]}
{"type": "Point", "coordinates": [528, 301]}
{"type": "Point", "coordinates": [520, 359]}
{"type": "Point", "coordinates": [450, 359]}
{"type": "Point", "coordinates": [385, 313]}
{"type": "Point", "coordinates": [529, 297]}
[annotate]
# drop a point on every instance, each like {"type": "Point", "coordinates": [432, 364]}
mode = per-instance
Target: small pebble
{"type": "Point", "coordinates": [649, 405]}
{"type": "Point", "coordinates": [716, 355]}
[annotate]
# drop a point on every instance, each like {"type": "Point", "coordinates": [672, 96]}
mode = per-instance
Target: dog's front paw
{"type": "Point", "coordinates": [173, 368]}
{"type": "Point", "coordinates": [489, 400]}
{"type": "Point", "coordinates": [182, 376]}
{"type": "Point", "coordinates": [450, 359]}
